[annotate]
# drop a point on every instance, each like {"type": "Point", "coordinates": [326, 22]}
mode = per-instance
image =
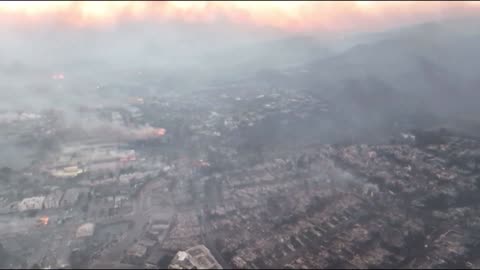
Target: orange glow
{"type": "Point", "coordinates": [58, 76]}
{"type": "Point", "coordinates": [289, 15]}
{"type": "Point", "coordinates": [128, 158]}
{"type": "Point", "coordinates": [160, 132]}
{"type": "Point", "coordinates": [365, 3]}
{"type": "Point", "coordinates": [201, 163]}
{"type": "Point", "coordinates": [43, 220]}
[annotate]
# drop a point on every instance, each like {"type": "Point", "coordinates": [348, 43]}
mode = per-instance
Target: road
{"type": "Point", "coordinates": [208, 239]}
{"type": "Point", "coordinates": [139, 218]}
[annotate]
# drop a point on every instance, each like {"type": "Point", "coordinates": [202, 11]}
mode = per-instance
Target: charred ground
{"type": "Point", "coordinates": [347, 161]}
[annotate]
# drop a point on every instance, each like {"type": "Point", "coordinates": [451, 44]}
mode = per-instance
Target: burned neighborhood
{"type": "Point", "coordinates": [294, 151]}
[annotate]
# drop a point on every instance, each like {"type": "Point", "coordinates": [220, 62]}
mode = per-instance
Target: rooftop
{"type": "Point", "coordinates": [85, 230]}
{"type": "Point", "coordinates": [197, 257]}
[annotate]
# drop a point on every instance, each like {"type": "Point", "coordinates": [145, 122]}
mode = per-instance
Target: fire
{"type": "Point", "coordinates": [128, 158]}
{"type": "Point", "coordinates": [201, 163]}
{"type": "Point", "coordinates": [43, 220]}
{"type": "Point", "coordinates": [160, 132]}
{"type": "Point", "coordinates": [290, 15]}
{"type": "Point", "coordinates": [58, 76]}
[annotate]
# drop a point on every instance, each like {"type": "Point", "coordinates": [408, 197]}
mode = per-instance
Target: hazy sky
{"type": "Point", "coordinates": [326, 16]}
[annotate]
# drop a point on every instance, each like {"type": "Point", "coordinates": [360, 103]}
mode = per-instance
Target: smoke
{"type": "Point", "coordinates": [119, 133]}
{"type": "Point", "coordinates": [325, 16]}
{"type": "Point", "coordinates": [64, 53]}
{"type": "Point", "coordinates": [83, 126]}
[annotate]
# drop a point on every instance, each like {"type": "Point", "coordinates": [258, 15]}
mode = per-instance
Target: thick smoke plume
{"type": "Point", "coordinates": [122, 134]}
{"type": "Point", "coordinates": [98, 129]}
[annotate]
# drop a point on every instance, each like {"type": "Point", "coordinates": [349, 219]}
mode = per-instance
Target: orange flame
{"type": "Point", "coordinates": [290, 15]}
{"type": "Point", "coordinates": [160, 132]}
{"type": "Point", "coordinates": [58, 76]}
{"type": "Point", "coordinates": [43, 220]}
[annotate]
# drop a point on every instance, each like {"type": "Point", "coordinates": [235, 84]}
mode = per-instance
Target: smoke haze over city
{"type": "Point", "coordinates": [239, 134]}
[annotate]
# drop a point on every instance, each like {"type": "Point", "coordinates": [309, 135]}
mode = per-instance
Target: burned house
{"type": "Point", "coordinates": [197, 257]}
{"type": "Point", "coordinates": [136, 254]}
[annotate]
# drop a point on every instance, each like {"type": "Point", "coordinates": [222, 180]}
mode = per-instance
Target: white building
{"type": "Point", "coordinates": [33, 203]}
{"type": "Point", "coordinates": [85, 230]}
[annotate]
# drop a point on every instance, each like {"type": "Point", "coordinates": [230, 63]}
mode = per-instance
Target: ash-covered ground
{"type": "Point", "coordinates": [365, 158]}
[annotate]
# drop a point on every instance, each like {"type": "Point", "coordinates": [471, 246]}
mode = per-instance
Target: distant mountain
{"type": "Point", "coordinates": [430, 68]}
{"type": "Point", "coordinates": [292, 50]}
{"type": "Point", "coordinates": [275, 54]}
{"type": "Point", "coordinates": [406, 54]}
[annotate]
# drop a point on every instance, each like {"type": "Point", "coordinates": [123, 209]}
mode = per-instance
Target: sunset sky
{"type": "Point", "coordinates": [328, 16]}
